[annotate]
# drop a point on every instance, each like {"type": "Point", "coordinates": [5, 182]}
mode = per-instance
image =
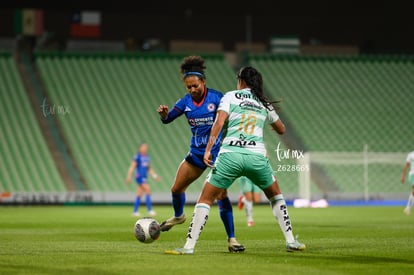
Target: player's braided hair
{"type": "Point", "coordinates": [193, 65]}
{"type": "Point", "coordinates": [254, 81]}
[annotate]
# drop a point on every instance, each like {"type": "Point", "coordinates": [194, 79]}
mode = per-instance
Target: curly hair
{"type": "Point", "coordinates": [193, 65]}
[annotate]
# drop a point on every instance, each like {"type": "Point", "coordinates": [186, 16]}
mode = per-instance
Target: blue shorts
{"type": "Point", "coordinates": [140, 180]}
{"type": "Point", "coordinates": [196, 159]}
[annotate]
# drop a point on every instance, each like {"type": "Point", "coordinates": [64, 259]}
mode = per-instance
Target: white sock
{"type": "Point", "coordinates": [248, 206]}
{"type": "Point", "coordinates": [200, 216]}
{"type": "Point", "coordinates": [280, 212]}
{"type": "Point", "coordinates": [410, 201]}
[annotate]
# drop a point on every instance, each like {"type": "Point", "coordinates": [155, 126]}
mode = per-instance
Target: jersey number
{"type": "Point", "coordinates": [247, 123]}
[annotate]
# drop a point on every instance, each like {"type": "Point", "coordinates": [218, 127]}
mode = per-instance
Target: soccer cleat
{"type": "Point", "coordinates": [250, 223]}
{"type": "Point", "coordinates": [407, 211]}
{"type": "Point", "coordinates": [295, 246]}
{"type": "Point", "coordinates": [240, 204]}
{"type": "Point", "coordinates": [180, 251]}
{"type": "Point", "coordinates": [136, 214]}
{"type": "Point", "coordinates": [168, 224]}
{"type": "Point", "coordinates": [152, 213]}
{"type": "Point", "coordinates": [235, 247]}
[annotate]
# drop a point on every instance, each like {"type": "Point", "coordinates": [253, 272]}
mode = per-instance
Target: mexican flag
{"type": "Point", "coordinates": [28, 22]}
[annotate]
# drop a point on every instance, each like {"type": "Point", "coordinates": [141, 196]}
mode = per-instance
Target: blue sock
{"type": "Point", "coordinates": [148, 202]}
{"type": "Point", "coordinates": [226, 215]}
{"type": "Point", "coordinates": [137, 203]}
{"type": "Point", "coordinates": [178, 201]}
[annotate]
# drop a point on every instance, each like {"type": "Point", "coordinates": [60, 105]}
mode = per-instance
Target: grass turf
{"type": "Point", "coordinates": [99, 240]}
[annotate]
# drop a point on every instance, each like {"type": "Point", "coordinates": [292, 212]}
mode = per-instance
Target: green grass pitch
{"type": "Point", "coordinates": [100, 240]}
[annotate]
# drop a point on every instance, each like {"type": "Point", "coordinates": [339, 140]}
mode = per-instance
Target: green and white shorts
{"type": "Point", "coordinates": [246, 185]}
{"type": "Point", "coordinates": [411, 179]}
{"type": "Point", "coordinates": [229, 166]}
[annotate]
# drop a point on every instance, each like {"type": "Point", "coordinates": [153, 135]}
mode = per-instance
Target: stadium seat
{"type": "Point", "coordinates": [27, 165]}
{"type": "Point", "coordinates": [113, 101]}
{"type": "Point", "coordinates": [339, 104]}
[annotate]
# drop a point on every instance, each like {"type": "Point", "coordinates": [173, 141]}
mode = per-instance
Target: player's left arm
{"type": "Point", "coordinates": [154, 175]}
{"type": "Point", "coordinates": [279, 127]}
{"type": "Point", "coordinates": [221, 118]}
{"type": "Point", "coordinates": [276, 123]}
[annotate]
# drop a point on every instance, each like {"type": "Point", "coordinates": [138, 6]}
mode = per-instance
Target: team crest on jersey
{"type": "Point", "coordinates": [211, 107]}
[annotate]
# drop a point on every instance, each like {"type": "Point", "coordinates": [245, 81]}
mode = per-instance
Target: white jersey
{"type": "Point", "coordinates": [247, 117]}
{"type": "Point", "coordinates": [410, 159]}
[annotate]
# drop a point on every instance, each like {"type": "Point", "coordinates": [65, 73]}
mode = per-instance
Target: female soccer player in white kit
{"type": "Point", "coordinates": [242, 153]}
{"type": "Point", "coordinates": [409, 165]}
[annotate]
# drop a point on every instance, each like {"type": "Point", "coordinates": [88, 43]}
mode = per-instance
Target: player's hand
{"type": "Point", "coordinates": [156, 177]}
{"type": "Point", "coordinates": [402, 179]}
{"type": "Point", "coordinates": [163, 111]}
{"type": "Point", "coordinates": [127, 180]}
{"type": "Point", "coordinates": [208, 159]}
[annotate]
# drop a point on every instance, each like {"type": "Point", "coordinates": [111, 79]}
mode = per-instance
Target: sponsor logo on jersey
{"type": "Point", "coordinates": [242, 142]}
{"type": "Point", "coordinates": [250, 105]}
{"type": "Point", "coordinates": [201, 121]}
{"type": "Point", "coordinates": [245, 95]}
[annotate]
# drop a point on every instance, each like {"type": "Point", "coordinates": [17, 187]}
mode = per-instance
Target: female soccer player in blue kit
{"type": "Point", "coordinates": [243, 153]}
{"type": "Point", "coordinates": [199, 106]}
{"type": "Point", "coordinates": [141, 166]}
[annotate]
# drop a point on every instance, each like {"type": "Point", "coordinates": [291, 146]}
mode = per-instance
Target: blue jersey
{"type": "Point", "coordinates": [200, 117]}
{"type": "Point", "coordinates": [141, 171]}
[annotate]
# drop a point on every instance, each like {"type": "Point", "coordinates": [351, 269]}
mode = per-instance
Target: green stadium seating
{"type": "Point", "coordinates": [113, 101]}
{"type": "Point", "coordinates": [332, 104]}
{"type": "Point", "coordinates": [339, 104]}
{"type": "Point", "coordinates": [335, 104]}
{"type": "Point", "coordinates": [325, 99]}
{"type": "Point", "coordinates": [26, 163]}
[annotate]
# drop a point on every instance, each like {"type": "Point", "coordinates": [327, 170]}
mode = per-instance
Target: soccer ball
{"type": "Point", "coordinates": [147, 230]}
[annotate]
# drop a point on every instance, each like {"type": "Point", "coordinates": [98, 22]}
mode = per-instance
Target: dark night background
{"type": "Point", "coordinates": [379, 27]}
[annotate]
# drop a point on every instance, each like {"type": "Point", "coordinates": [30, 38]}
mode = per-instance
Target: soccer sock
{"type": "Point", "coordinates": [248, 205]}
{"type": "Point", "coordinates": [200, 216]}
{"type": "Point", "coordinates": [226, 215]}
{"type": "Point", "coordinates": [410, 201]}
{"type": "Point", "coordinates": [137, 203]}
{"type": "Point", "coordinates": [178, 201]}
{"type": "Point", "coordinates": [280, 212]}
{"type": "Point", "coordinates": [148, 202]}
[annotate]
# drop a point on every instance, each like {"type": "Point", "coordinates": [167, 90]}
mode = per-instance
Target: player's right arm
{"type": "Point", "coordinates": [131, 171]}
{"type": "Point", "coordinates": [163, 111]}
{"type": "Point", "coordinates": [169, 116]}
{"type": "Point", "coordinates": [221, 118]}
